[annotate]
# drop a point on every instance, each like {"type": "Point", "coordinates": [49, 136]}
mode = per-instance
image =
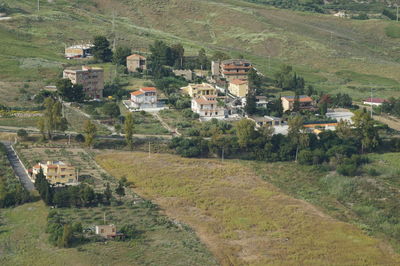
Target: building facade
{"type": "Point", "coordinates": [56, 172]}
{"type": "Point", "coordinates": [239, 87]}
{"type": "Point", "coordinates": [231, 69]}
{"type": "Point", "coordinates": [196, 90]}
{"type": "Point", "coordinates": [144, 98]}
{"type": "Point", "coordinates": [106, 231]}
{"type": "Point", "coordinates": [79, 51]}
{"type": "Point", "coordinates": [305, 102]}
{"type": "Point", "coordinates": [207, 107]}
{"type": "Point", "coordinates": [135, 62]}
{"type": "Point", "coordinates": [91, 78]}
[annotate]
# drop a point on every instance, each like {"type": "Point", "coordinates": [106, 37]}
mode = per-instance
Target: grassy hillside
{"type": "Point", "coordinates": [243, 219]}
{"type": "Point", "coordinates": [337, 55]}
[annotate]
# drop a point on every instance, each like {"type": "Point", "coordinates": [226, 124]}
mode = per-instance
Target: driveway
{"type": "Point", "coordinates": [19, 169]}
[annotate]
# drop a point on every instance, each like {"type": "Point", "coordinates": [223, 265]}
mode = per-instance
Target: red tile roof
{"type": "Point", "coordinates": [136, 56]}
{"type": "Point", "coordinates": [302, 98]}
{"type": "Point", "coordinates": [136, 93]}
{"type": "Point", "coordinates": [149, 89]}
{"type": "Point", "coordinates": [204, 100]}
{"type": "Point", "coordinates": [375, 100]}
{"type": "Point", "coordinates": [239, 82]}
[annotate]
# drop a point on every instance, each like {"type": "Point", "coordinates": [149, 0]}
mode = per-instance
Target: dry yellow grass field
{"type": "Point", "coordinates": [242, 219]}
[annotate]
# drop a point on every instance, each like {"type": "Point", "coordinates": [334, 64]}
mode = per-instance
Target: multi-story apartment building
{"type": "Point", "coordinates": [56, 172]}
{"type": "Point", "coordinates": [231, 69]}
{"type": "Point", "coordinates": [91, 78]}
{"type": "Point", "coordinates": [196, 90]}
{"type": "Point", "coordinates": [135, 62]}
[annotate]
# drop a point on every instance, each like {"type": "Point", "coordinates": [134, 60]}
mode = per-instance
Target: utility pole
{"type": "Point", "coordinates": [113, 30]}
{"type": "Point", "coordinates": [149, 149]}
{"type": "Point", "coordinates": [222, 155]}
{"type": "Point", "coordinates": [38, 5]}
{"type": "Point", "coordinates": [371, 103]}
{"type": "Point", "coordinates": [397, 7]}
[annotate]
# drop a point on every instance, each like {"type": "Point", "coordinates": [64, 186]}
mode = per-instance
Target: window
{"type": "Point", "coordinates": [63, 176]}
{"type": "Point", "coordinates": [102, 231]}
{"type": "Point", "coordinates": [216, 113]}
{"type": "Point", "coordinates": [206, 113]}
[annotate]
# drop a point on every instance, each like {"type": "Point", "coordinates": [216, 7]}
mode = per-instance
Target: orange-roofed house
{"type": "Point", "coordinates": [239, 87]}
{"type": "Point", "coordinates": [207, 107]}
{"type": "Point", "coordinates": [144, 98]}
{"type": "Point", "coordinates": [136, 62]}
{"type": "Point", "coordinates": [305, 102]}
{"type": "Point", "coordinates": [56, 172]}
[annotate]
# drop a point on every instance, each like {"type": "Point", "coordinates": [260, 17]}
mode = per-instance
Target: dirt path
{"type": "Point", "coordinates": [165, 125]}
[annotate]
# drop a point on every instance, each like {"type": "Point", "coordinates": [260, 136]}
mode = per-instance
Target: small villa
{"type": "Point", "coordinates": [56, 172]}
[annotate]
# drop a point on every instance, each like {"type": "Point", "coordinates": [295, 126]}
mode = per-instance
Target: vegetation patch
{"type": "Point", "coordinates": [242, 218]}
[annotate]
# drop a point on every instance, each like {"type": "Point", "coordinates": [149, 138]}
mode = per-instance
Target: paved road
{"type": "Point", "coordinates": [19, 169]}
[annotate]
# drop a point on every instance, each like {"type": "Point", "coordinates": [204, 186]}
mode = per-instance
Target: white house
{"type": "Point", "coordinates": [374, 101]}
{"type": "Point", "coordinates": [207, 107]}
{"type": "Point", "coordinates": [144, 98]}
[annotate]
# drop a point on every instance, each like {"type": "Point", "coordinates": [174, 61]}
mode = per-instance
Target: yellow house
{"type": "Point", "coordinates": [239, 87]}
{"type": "Point", "coordinates": [56, 172]}
{"type": "Point", "coordinates": [197, 90]}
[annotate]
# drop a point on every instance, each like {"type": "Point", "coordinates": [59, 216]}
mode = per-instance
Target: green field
{"type": "Point", "coordinates": [242, 219]}
{"type": "Point", "coordinates": [23, 240]}
{"type": "Point", "coordinates": [368, 200]}
{"type": "Point", "coordinates": [319, 46]}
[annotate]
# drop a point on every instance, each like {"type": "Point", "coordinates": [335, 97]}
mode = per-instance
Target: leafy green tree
{"type": "Point", "coordinates": [177, 55]}
{"type": "Point", "coordinates": [220, 56]}
{"type": "Point", "coordinates": [90, 131]}
{"type": "Point", "coordinates": [246, 134]}
{"type": "Point", "coordinates": [22, 134]}
{"type": "Point", "coordinates": [101, 49]}
{"type": "Point", "coordinates": [128, 128]}
{"type": "Point", "coordinates": [297, 134]}
{"type": "Point", "coordinates": [108, 193]}
{"type": "Point", "coordinates": [296, 103]}
{"type": "Point", "coordinates": [52, 119]}
{"type": "Point", "coordinates": [120, 190]}
{"type": "Point", "coordinates": [254, 79]}
{"type": "Point", "coordinates": [160, 55]}
{"type": "Point", "coordinates": [120, 55]}
{"type": "Point", "coordinates": [66, 239]}
{"type": "Point", "coordinates": [344, 130]}
{"type": "Point", "coordinates": [366, 131]}
{"type": "Point", "coordinates": [70, 92]}
{"type": "Point", "coordinates": [251, 105]}
{"type": "Point", "coordinates": [204, 62]}
{"type": "Point", "coordinates": [111, 109]}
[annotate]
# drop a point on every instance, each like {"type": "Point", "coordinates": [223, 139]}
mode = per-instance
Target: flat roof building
{"type": "Point", "coordinates": [91, 78]}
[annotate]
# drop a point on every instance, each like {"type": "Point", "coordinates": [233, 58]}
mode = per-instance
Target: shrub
{"type": "Point", "coordinates": [305, 157]}
{"type": "Point", "coordinates": [22, 134]}
{"type": "Point", "coordinates": [79, 138]}
{"type": "Point", "coordinates": [347, 169]}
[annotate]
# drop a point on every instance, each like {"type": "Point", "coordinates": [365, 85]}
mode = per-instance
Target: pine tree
{"type": "Point", "coordinates": [107, 194]}
{"type": "Point", "coordinates": [90, 131]}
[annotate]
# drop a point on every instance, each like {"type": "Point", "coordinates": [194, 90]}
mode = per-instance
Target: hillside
{"type": "Point", "coordinates": [333, 54]}
{"type": "Point", "coordinates": [242, 219]}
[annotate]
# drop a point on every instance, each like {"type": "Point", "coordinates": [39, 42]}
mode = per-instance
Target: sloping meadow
{"type": "Point", "coordinates": [242, 219]}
